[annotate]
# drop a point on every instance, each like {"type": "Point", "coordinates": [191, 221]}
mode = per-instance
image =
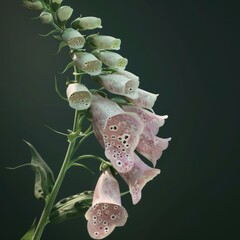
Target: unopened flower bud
{"type": "Point", "coordinates": [104, 42]}
{"type": "Point", "coordinates": [78, 96]}
{"type": "Point", "coordinates": [87, 23]}
{"type": "Point", "coordinates": [88, 63]}
{"type": "Point", "coordinates": [64, 13]}
{"type": "Point", "coordinates": [33, 4]}
{"type": "Point", "coordinates": [46, 17]}
{"type": "Point", "coordinates": [73, 38]}
{"type": "Point", "coordinates": [111, 59]}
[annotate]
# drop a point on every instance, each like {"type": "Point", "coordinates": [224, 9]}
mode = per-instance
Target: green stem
{"type": "Point", "coordinates": [52, 196]}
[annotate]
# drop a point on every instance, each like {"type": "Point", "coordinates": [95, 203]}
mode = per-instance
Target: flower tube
{"type": "Point", "coordinates": [104, 42]}
{"type": "Point", "coordinates": [87, 23]}
{"type": "Point", "coordinates": [137, 178]}
{"type": "Point", "coordinates": [88, 63]}
{"type": "Point", "coordinates": [117, 131]}
{"type": "Point", "coordinates": [149, 145]}
{"type": "Point", "coordinates": [120, 85]}
{"type": "Point", "coordinates": [78, 96]}
{"type": "Point", "coordinates": [64, 13]}
{"type": "Point", "coordinates": [106, 211]}
{"type": "Point", "coordinates": [73, 38]}
{"type": "Point", "coordinates": [111, 59]}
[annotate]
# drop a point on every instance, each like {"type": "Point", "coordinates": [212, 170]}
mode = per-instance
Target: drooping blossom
{"type": "Point", "coordinates": [150, 146]}
{"type": "Point", "coordinates": [120, 84]}
{"type": "Point", "coordinates": [104, 42]}
{"type": "Point", "coordinates": [137, 177]}
{"type": "Point", "coordinates": [117, 131]}
{"type": "Point", "coordinates": [87, 23]}
{"type": "Point", "coordinates": [145, 99]}
{"type": "Point", "coordinates": [73, 38]}
{"type": "Point", "coordinates": [64, 13]}
{"type": "Point", "coordinates": [79, 97]}
{"type": "Point", "coordinates": [106, 211]}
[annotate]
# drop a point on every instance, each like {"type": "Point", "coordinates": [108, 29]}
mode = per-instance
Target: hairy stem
{"type": "Point", "coordinates": [52, 196]}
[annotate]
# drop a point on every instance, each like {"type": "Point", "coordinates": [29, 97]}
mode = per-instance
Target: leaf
{"type": "Point", "coordinates": [64, 134]}
{"type": "Point", "coordinates": [71, 64]}
{"type": "Point", "coordinates": [61, 46]}
{"type": "Point", "coordinates": [83, 166]}
{"type": "Point", "coordinates": [30, 233]}
{"type": "Point", "coordinates": [58, 92]}
{"type": "Point", "coordinates": [44, 179]}
{"type": "Point", "coordinates": [71, 207]}
{"type": "Point", "coordinates": [120, 100]}
{"type": "Point", "coordinates": [48, 34]}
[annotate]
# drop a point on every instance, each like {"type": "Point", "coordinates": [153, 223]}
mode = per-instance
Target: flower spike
{"type": "Point", "coordinates": [106, 211]}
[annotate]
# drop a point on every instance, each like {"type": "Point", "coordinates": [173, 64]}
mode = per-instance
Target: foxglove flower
{"type": "Point", "coordinates": [88, 63]}
{"type": "Point", "coordinates": [117, 131]}
{"type": "Point", "coordinates": [104, 42]}
{"type": "Point", "coordinates": [73, 38]}
{"type": "Point", "coordinates": [111, 59]}
{"type": "Point", "coordinates": [46, 17]}
{"type": "Point", "coordinates": [149, 145]}
{"type": "Point", "coordinates": [64, 13]}
{"type": "Point", "coordinates": [106, 211]}
{"type": "Point", "coordinates": [87, 23]}
{"type": "Point", "coordinates": [137, 177]}
{"type": "Point", "coordinates": [78, 96]}
{"type": "Point", "coordinates": [145, 99]}
{"type": "Point", "coordinates": [33, 4]}
{"type": "Point", "coordinates": [119, 84]}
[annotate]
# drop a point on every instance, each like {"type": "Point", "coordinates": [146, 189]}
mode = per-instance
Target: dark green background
{"type": "Point", "coordinates": [184, 50]}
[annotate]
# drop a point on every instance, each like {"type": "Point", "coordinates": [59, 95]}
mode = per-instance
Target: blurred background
{"type": "Point", "coordinates": [184, 50]}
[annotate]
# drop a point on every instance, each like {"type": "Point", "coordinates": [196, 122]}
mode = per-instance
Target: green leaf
{"type": "Point", "coordinates": [71, 64]}
{"type": "Point", "coordinates": [71, 207]}
{"type": "Point", "coordinates": [44, 179]}
{"type": "Point", "coordinates": [48, 34]}
{"type": "Point", "coordinates": [60, 133]}
{"type": "Point", "coordinates": [58, 92]}
{"type": "Point", "coordinates": [61, 46]}
{"type": "Point", "coordinates": [83, 166]}
{"type": "Point", "coordinates": [120, 100]}
{"type": "Point", "coordinates": [30, 233]}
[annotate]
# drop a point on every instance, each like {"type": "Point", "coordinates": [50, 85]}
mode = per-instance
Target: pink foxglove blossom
{"type": "Point", "coordinates": [106, 211]}
{"type": "Point", "coordinates": [137, 177]}
{"type": "Point", "coordinates": [117, 131]}
{"type": "Point", "coordinates": [150, 146]}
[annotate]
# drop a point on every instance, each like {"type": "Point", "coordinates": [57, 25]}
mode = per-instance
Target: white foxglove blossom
{"type": "Point", "coordinates": [145, 99]}
{"type": "Point", "coordinates": [78, 96]}
{"type": "Point", "coordinates": [57, 1]}
{"type": "Point", "coordinates": [33, 4]}
{"type": "Point", "coordinates": [88, 63]}
{"type": "Point", "coordinates": [117, 131]}
{"type": "Point", "coordinates": [73, 38]}
{"type": "Point", "coordinates": [127, 74]}
{"type": "Point", "coordinates": [119, 84]}
{"type": "Point", "coordinates": [150, 146]}
{"type": "Point", "coordinates": [46, 17]}
{"type": "Point", "coordinates": [104, 42]}
{"type": "Point", "coordinates": [137, 178]}
{"type": "Point", "coordinates": [111, 59]}
{"type": "Point", "coordinates": [106, 211]}
{"type": "Point", "coordinates": [64, 13]}
{"type": "Point", "coordinates": [87, 23]}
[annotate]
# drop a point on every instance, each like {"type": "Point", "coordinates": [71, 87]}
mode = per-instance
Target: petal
{"type": "Point", "coordinates": [151, 147]}
{"type": "Point", "coordinates": [139, 175]}
{"type": "Point", "coordinates": [120, 85]}
{"type": "Point", "coordinates": [121, 137]}
{"type": "Point", "coordinates": [145, 99]}
{"type": "Point", "coordinates": [103, 218]}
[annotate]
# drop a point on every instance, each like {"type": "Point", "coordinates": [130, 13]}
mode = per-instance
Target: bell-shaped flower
{"type": "Point", "coordinates": [127, 74]}
{"type": "Point", "coordinates": [87, 23]}
{"type": "Point", "coordinates": [79, 97]}
{"type": "Point", "coordinates": [46, 18]}
{"type": "Point", "coordinates": [64, 13]}
{"type": "Point", "coordinates": [117, 131]}
{"type": "Point", "coordinates": [111, 59]}
{"type": "Point", "coordinates": [32, 4]}
{"type": "Point", "coordinates": [145, 99]}
{"type": "Point", "coordinates": [57, 1]}
{"type": "Point", "coordinates": [137, 177]}
{"type": "Point", "coordinates": [104, 42]}
{"type": "Point", "coordinates": [88, 63]}
{"type": "Point", "coordinates": [119, 84]}
{"type": "Point", "coordinates": [150, 146]}
{"type": "Point", "coordinates": [73, 38]}
{"type": "Point", "coordinates": [106, 211]}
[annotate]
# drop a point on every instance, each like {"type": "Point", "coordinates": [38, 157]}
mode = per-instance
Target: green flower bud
{"type": "Point", "coordinates": [46, 17]}
{"type": "Point", "coordinates": [87, 23]}
{"type": "Point", "coordinates": [33, 4]}
{"type": "Point", "coordinates": [57, 1]}
{"type": "Point", "coordinates": [111, 59]}
{"type": "Point", "coordinates": [104, 42]}
{"type": "Point", "coordinates": [88, 63]}
{"type": "Point", "coordinates": [78, 96]}
{"type": "Point", "coordinates": [73, 38]}
{"type": "Point", "coordinates": [64, 13]}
